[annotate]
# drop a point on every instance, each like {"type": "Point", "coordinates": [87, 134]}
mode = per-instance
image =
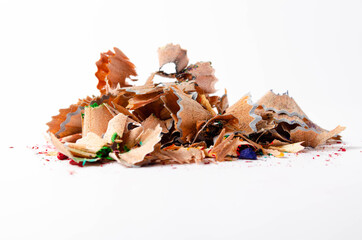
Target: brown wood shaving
{"type": "Point", "coordinates": [114, 68]}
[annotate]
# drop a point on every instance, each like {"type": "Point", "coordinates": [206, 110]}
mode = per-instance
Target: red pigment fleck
{"type": "Point", "coordinates": [337, 154]}
{"type": "Point", "coordinates": [47, 160]}
{"type": "Point", "coordinates": [313, 157]}
{"type": "Point", "coordinates": [339, 142]}
{"type": "Point", "coordinates": [342, 149]}
{"type": "Point", "coordinates": [318, 155]}
{"type": "Point", "coordinates": [327, 160]}
{"type": "Point", "coordinates": [330, 155]}
{"type": "Point", "coordinates": [61, 156]}
{"type": "Point", "coordinates": [72, 162]}
{"type": "Point", "coordinates": [11, 147]}
{"type": "Point", "coordinates": [248, 161]}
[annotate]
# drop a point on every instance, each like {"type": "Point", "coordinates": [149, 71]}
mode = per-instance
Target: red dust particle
{"type": "Point", "coordinates": [61, 156]}
{"type": "Point", "coordinates": [72, 162]}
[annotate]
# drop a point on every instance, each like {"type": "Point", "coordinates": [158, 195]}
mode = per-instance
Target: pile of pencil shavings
{"type": "Point", "coordinates": [178, 121]}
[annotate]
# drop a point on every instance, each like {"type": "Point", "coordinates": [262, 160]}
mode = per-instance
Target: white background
{"type": "Point", "coordinates": [313, 49]}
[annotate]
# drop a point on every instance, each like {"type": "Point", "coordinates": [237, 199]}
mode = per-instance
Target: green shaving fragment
{"type": "Point", "coordinates": [114, 136]}
{"type": "Point", "coordinates": [78, 160]}
{"type": "Point", "coordinates": [126, 149]}
{"type": "Point", "coordinates": [141, 143]}
{"type": "Point", "coordinates": [82, 114]}
{"type": "Point", "coordinates": [94, 105]}
{"type": "Point", "coordinates": [103, 152]}
{"type": "Point", "coordinates": [259, 152]}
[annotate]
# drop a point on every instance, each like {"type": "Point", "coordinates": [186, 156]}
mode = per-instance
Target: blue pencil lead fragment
{"type": "Point", "coordinates": [247, 153]}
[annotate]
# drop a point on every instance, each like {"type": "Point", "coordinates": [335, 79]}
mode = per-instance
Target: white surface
{"type": "Point", "coordinates": [289, 198]}
{"type": "Point", "coordinates": [311, 48]}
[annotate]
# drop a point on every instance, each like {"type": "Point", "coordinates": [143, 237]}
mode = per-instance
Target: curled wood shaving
{"type": "Point", "coordinates": [180, 155]}
{"type": "Point", "coordinates": [173, 54]}
{"type": "Point", "coordinates": [115, 126]}
{"type": "Point", "coordinates": [224, 148]}
{"type": "Point", "coordinates": [136, 156]}
{"type": "Point", "coordinates": [311, 138]}
{"type": "Point", "coordinates": [96, 120]}
{"type": "Point", "coordinates": [75, 126]}
{"type": "Point", "coordinates": [114, 68]}
{"type": "Point", "coordinates": [90, 143]}
{"type": "Point", "coordinates": [243, 110]}
{"type": "Point", "coordinates": [203, 74]}
{"type": "Point", "coordinates": [290, 148]}
{"type": "Point", "coordinates": [190, 112]}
